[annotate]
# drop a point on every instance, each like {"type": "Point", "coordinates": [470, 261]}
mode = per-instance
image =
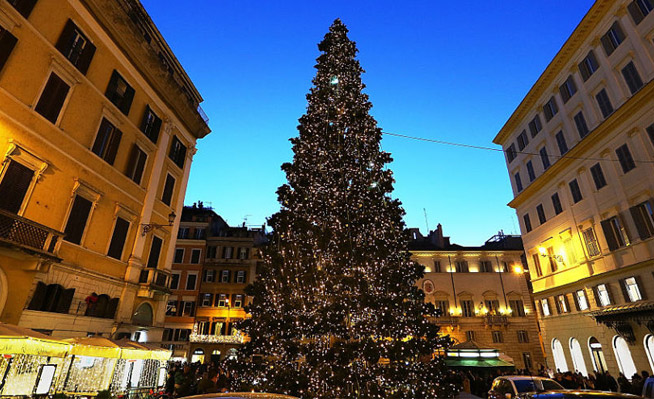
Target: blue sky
{"type": "Point", "coordinates": [452, 71]}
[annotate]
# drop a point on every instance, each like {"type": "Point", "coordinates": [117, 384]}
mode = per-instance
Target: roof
{"type": "Point", "coordinates": [470, 345]}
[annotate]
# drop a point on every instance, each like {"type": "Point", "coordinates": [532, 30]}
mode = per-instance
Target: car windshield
{"type": "Point", "coordinates": [536, 385]}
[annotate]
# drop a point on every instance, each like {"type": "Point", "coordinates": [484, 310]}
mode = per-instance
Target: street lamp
{"type": "Point", "coordinates": [148, 227]}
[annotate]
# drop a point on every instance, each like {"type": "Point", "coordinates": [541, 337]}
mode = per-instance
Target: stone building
{"type": "Point", "coordinates": [579, 152]}
{"type": "Point", "coordinates": [98, 125]}
{"type": "Point", "coordinates": [482, 293]}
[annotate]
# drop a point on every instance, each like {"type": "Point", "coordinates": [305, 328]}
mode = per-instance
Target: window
{"type": "Point", "coordinates": [517, 308]}
{"type": "Point", "coordinates": [550, 109]}
{"type": "Point", "coordinates": [545, 304]}
{"type": "Point", "coordinates": [107, 141]}
{"type": "Point", "coordinates": [238, 301]}
{"type": "Point", "coordinates": [118, 238]}
{"type": "Point", "coordinates": [155, 252]}
{"type": "Point", "coordinates": [612, 39]}
{"type": "Point", "coordinates": [179, 255]}
{"type": "Point", "coordinates": [177, 152]}
{"type": "Point", "coordinates": [554, 266]}
{"type": "Point", "coordinates": [52, 98]}
{"type": "Point", "coordinates": [171, 310]}
{"type": "Point", "coordinates": [467, 308]}
{"type": "Point", "coordinates": [568, 89]}
{"type": "Point", "coordinates": [240, 276]}
{"type": "Point", "coordinates": [624, 156]}
{"type": "Point", "coordinates": [560, 141]}
{"type": "Point", "coordinates": [518, 182]}
{"type": "Point", "coordinates": [580, 122]}
{"type": "Point", "coordinates": [189, 308]}
{"type": "Point", "coordinates": [536, 259]}
{"type": "Point", "coordinates": [182, 233]}
{"type": "Point", "coordinates": [522, 140]}
{"type": "Point", "coordinates": [174, 281]}
{"type": "Point", "coordinates": [224, 276]}
{"type": "Point", "coordinates": [136, 164]}
{"type": "Point", "coordinates": [206, 299]}
{"type": "Point", "coordinates": [462, 266]}
{"type": "Point", "coordinates": [591, 242]}
{"type": "Point", "coordinates": [527, 221]}
{"type": "Point", "coordinates": [191, 280]}
{"type": "Point", "coordinates": [541, 214]}
{"type": "Point", "coordinates": [497, 337]}
{"type": "Point", "coordinates": [530, 171]}
{"type": "Point", "coordinates": [556, 203]}
{"type": "Point", "coordinates": [243, 252]}
{"type": "Point", "coordinates": [615, 233]}
{"type": "Point", "coordinates": [24, 7]}
{"type": "Point", "coordinates": [631, 290]}
{"type": "Point", "coordinates": [588, 65]}
{"type": "Point", "coordinates": [523, 336]}
{"type": "Point", "coordinates": [169, 187]}
{"type": "Point", "coordinates": [443, 307]}
{"type": "Point", "coordinates": [7, 44]}
{"type": "Point", "coordinates": [200, 233]}
{"type": "Point", "coordinates": [544, 158]}
{"type": "Point", "coordinates": [575, 191]}
{"type": "Point", "coordinates": [76, 47]}
{"type": "Point", "coordinates": [470, 335]}
{"type": "Point", "coordinates": [632, 78]}
{"type": "Point", "coordinates": [209, 276]}
{"type": "Point", "coordinates": [562, 302]}
{"type": "Point", "coordinates": [638, 9]}
{"type": "Point", "coordinates": [120, 93]}
{"type": "Point", "coordinates": [14, 186]}
{"type": "Point", "coordinates": [526, 359]}
{"type": "Point", "coordinates": [485, 266]}
{"type": "Point", "coordinates": [650, 132]}
{"type": "Point", "coordinates": [151, 124]}
{"type": "Point", "coordinates": [437, 266]}
{"type": "Point", "coordinates": [604, 103]}
{"type": "Point", "coordinates": [195, 256]}
{"type": "Point", "coordinates": [598, 176]}
{"type": "Point", "coordinates": [644, 219]}
{"type": "Point", "coordinates": [602, 295]}
{"type": "Point", "coordinates": [511, 153]}
{"type": "Point", "coordinates": [211, 252]}
{"type": "Point", "coordinates": [227, 252]}
{"type": "Point", "coordinates": [582, 302]}
{"type": "Point", "coordinates": [51, 298]}
{"type": "Point", "coordinates": [221, 300]}
{"type": "Point", "coordinates": [79, 215]}
{"type": "Point", "coordinates": [535, 126]}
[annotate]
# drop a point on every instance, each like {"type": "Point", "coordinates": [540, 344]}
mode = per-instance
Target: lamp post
{"type": "Point", "coordinates": [148, 227]}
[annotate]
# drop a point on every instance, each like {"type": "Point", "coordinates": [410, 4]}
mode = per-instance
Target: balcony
{"type": "Point", "coordinates": [28, 235]}
{"type": "Point", "coordinates": [153, 281]}
{"type": "Point", "coordinates": [445, 321]}
{"type": "Point", "coordinates": [496, 320]}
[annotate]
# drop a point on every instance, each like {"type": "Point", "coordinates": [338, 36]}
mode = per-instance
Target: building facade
{"type": "Point", "coordinates": [482, 293]}
{"type": "Point", "coordinates": [98, 125]}
{"type": "Point", "coordinates": [213, 264]}
{"type": "Point", "coordinates": [579, 152]}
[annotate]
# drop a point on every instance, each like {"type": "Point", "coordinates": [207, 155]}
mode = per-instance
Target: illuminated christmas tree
{"type": "Point", "coordinates": [335, 312]}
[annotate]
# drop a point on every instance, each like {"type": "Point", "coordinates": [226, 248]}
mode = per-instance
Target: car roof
{"type": "Point", "coordinates": [241, 395]}
{"type": "Point", "coordinates": [523, 377]}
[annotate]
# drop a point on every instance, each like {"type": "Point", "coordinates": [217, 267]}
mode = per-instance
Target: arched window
{"type": "Point", "coordinates": [597, 354]}
{"type": "Point", "coordinates": [649, 348]}
{"type": "Point", "coordinates": [623, 356]}
{"type": "Point", "coordinates": [143, 315]}
{"type": "Point", "coordinates": [559, 357]}
{"type": "Point", "coordinates": [577, 357]}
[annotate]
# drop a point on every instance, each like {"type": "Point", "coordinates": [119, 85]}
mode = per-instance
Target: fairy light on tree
{"type": "Point", "coordinates": [336, 313]}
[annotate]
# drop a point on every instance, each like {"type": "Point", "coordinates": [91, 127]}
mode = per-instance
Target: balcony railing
{"type": "Point", "coordinates": [496, 320]}
{"type": "Point", "coordinates": [28, 234]}
{"type": "Point", "coordinates": [155, 278]}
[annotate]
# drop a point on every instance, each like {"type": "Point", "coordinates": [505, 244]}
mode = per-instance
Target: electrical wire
{"type": "Point", "coordinates": [479, 147]}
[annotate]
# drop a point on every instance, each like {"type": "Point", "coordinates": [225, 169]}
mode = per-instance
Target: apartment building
{"type": "Point", "coordinates": [482, 294]}
{"type": "Point", "coordinates": [98, 125]}
{"type": "Point", "coordinates": [579, 151]}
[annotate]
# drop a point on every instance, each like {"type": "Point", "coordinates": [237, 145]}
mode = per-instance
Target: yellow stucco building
{"type": "Point", "coordinates": [98, 125]}
{"type": "Point", "coordinates": [579, 152]}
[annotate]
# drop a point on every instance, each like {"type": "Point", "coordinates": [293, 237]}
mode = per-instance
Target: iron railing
{"type": "Point", "coordinates": [26, 233]}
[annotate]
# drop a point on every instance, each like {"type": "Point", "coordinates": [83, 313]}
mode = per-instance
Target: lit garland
{"type": "Point", "coordinates": [235, 338]}
{"type": "Point", "coordinates": [335, 310]}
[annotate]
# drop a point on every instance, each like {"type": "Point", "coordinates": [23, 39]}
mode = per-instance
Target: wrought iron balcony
{"type": "Point", "coordinates": [28, 235]}
{"type": "Point", "coordinates": [496, 320]}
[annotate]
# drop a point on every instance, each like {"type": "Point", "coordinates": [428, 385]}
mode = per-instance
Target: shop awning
{"type": "Point", "coordinates": [641, 311]}
{"type": "Point", "coordinates": [489, 363]}
{"type": "Point", "coordinates": [15, 340]}
{"type": "Point", "coordinates": [94, 347]}
{"type": "Point", "coordinates": [138, 350]}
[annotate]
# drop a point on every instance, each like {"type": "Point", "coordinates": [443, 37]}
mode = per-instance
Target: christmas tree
{"type": "Point", "coordinates": [335, 310]}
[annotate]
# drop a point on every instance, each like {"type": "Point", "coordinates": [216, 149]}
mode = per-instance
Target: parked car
{"type": "Point", "coordinates": [581, 394]}
{"type": "Point", "coordinates": [515, 386]}
{"type": "Point", "coordinates": [648, 388]}
{"type": "Point", "coordinates": [241, 395]}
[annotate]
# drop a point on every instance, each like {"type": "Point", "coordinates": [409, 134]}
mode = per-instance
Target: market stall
{"type": "Point", "coordinates": [141, 366]}
{"type": "Point", "coordinates": [89, 366]}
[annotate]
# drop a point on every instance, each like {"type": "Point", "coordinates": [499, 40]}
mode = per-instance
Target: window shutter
{"type": "Point", "coordinates": [597, 298]}
{"type": "Point", "coordinates": [7, 44]}
{"type": "Point", "coordinates": [52, 99]}
{"type": "Point", "coordinates": [180, 308]}
{"type": "Point", "coordinates": [110, 93]}
{"type": "Point", "coordinates": [110, 311]}
{"type": "Point", "coordinates": [64, 300]}
{"type": "Point", "coordinates": [635, 12]}
{"type": "Point", "coordinates": [144, 119]}
{"type": "Point", "coordinates": [233, 300]}
{"type": "Point", "coordinates": [118, 238]}
{"type": "Point", "coordinates": [229, 275]}
{"type": "Point", "coordinates": [24, 7]}
{"type": "Point", "coordinates": [113, 146]}
{"type": "Point", "coordinates": [38, 297]}
{"type": "Point", "coordinates": [609, 235]}
{"type": "Point", "coordinates": [77, 220]}
{"type": "Point", "coordinates": [155, 250]}
{"type": "Point", "coordinates": [204, 275]}
{"type": "Point", "coordinates": [641, 287]}
{"type": "Point", "coordinates": [576, 301]}
{"type": "Point", "coordinates": [609, 289]}
{"type": "Point", "coordinates": [622, 218]}
{"type": "Point", "coordinates": [245, 277]}
{"type": "Point", "coordinates": [625, 294]}
{"type": "Point", "coordinates": [52, 297]}
{"type": "Point", "coordinates": [156, 129]}
{"type": "Point", "coordinates": [126, 102]}
{"type": "Point", "coordinates": [14, 186]}
{"type": "Point", "coordinates": [85, 58]}
{"type": "Point", "coordinates": [637, 216]}
{"type": "Point", "coordinates": [567, 303]}
{"type": "Point", "coordinates": [131, 162]}
{"type": "Point", "coordinates": [192, 313]}
{"type": "Point", "coordinates": [66, 36]}
{"type": "Point", "coordinates": [557, 305]}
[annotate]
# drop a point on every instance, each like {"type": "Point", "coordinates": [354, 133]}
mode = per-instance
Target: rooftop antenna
{"type": "Point", "coordinates": [426, 220]}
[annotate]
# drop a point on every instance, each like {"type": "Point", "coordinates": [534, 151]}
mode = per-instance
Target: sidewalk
{"type": "Point", "coordinates": [465, 395]}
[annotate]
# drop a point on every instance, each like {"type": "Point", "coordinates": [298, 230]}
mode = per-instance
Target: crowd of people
{"type": "Point", "coordinates": [194, 379]}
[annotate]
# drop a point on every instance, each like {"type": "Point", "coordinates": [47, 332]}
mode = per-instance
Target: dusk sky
{"type": "Point", "coordinates": [451, 71]}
